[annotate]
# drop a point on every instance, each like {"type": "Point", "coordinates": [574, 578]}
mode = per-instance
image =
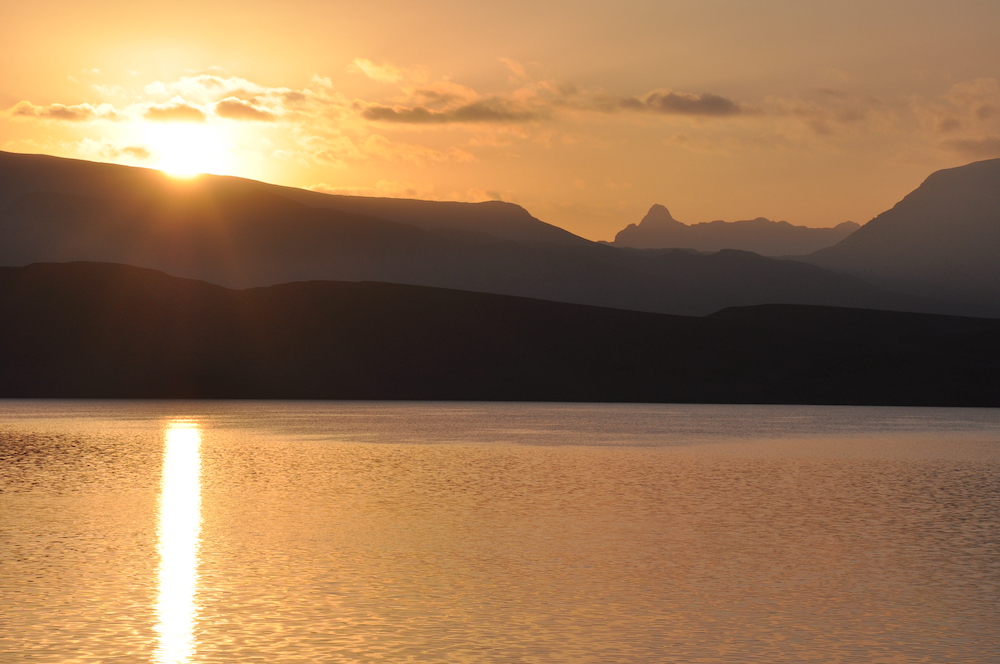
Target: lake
{"type": "Point", "coordinates": [190, 532]}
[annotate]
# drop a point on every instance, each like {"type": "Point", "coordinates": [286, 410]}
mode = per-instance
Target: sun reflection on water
{"type": "Point", "coordinates": [178, 534]}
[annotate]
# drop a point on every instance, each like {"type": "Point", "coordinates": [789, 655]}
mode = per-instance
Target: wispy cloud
{"type": "Point", "coordinates": [134, 151]}
{"type": "Point", "coordinates": [444, 102]}
{"type": "Point", "coordinates": [383, 73]}
{"type": "Point", "coordinates": [493, 109]}
{"type": "Point", "coordinates": [382, 189]}
{"type": "Point", "coordinates": [969, 106]}
{"type": "Point", "coordinates": [682, 103]}
{"type": "Point", "coordinates": [175, 111]}
{"type": "Point", "coordinates": [974, 148]}
{"type": "Point", "coordinates": [381, 146]}
{"type": "Point", "coordinates": [205, 88]}
{"type": "Point", "coordinates": [237, 109]}
{"type": "Point", "coordinates": [75, 113]}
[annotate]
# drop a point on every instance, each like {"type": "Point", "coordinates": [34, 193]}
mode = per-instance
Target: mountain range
{"type": "Point", "coordinates": [241, 233]}
{"type": "Point", "coordinates": [123, 282]}
{"type": "Point", "coordinates": [659, 230]}
{"type": "Point", "coordinates": [941, 241]}
{"type": "Point", "coordinates": [115, 331]}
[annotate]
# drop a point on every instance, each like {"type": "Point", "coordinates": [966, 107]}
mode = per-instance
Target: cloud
{"type": "Point", "coordinates": [334, 150]}
{"type": "Point", "coordinates": [137, 151]}
{"type": "Point", "coordinates": [517, 70]}
{"type": "Point", "coordinates": [105, 150]}
{"type": "Point", "coordinates": [237, 109]}
{"type": "Point", "coordinates": [947, 124]}
{"type": "Point", "coordinates": [175, 111]}
{"type": "Point", "coordinates": [77, 113]}
{"type": "Point", "coordinates": [831, 113]}
{"type": "Point", "coordinates": [382, 189]}
{"type": "Point", "coordinates": [974, 148]}
{"type": "Point", "coordinates": [976, 91]}
{"type": "Point", "coordinates": [682, 103]}
{"type": "Point", "coordinates": [442, 93]}
{"type": "Point", "coordinates": [237, 98]}
{"type": "Point", "coordinates": [133, 151]}
{"type": "Point", "coordinates": [478, 195]}
{"type": "Point", "coordinates": [157, 88]}
{"type": "Point", "coordinates": [383, 73]}
{"type": "Point", "coordinates": [206, 88]}
{"type": "Point", "coordinates": [494, 109]}
{"type": "Point", "coordinates": [445, 102]}
{"type": "Point", "coordinates": [380, 146]}
{"type": "Point", "coordinates": [110, 91]}
{"type": "Point", "coordinates": [972, 105]}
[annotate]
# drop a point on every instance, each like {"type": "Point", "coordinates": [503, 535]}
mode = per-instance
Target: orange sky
{"type": "Point", "coordinates": [584, 112]}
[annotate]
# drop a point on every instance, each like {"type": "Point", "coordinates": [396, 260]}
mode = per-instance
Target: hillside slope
{"type": "Point", "coordinates": [941, 241]}
{"type": "Point", "coordinates": [100, 330]}
{"type": "Point", "coordinates": [238, 234]}
{"type": "Point", "coordinates": [22, 174]}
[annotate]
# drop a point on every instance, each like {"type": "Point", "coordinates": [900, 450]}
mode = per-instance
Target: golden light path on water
{"type": "Point", "coordinates": [178, 536]}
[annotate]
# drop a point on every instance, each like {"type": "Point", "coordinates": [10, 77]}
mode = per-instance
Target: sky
{"type": "Point", "coordinates": [584, 112]}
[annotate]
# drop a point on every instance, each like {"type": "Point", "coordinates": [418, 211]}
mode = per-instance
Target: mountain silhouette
{"type": "Point", "coordinates": [941, 241]}
{"type": "Point", "coordinates": [25, 173]}
{"type": "Point", "coordinates": [98, 330]}
{"type": "Point", "coordinates": [658, 229]}
{"type": "Point", "coordinates": [240, 233]}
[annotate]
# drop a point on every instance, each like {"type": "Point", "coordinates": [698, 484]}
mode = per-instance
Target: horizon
{"type": "Point", "coordinates": [812, 115]}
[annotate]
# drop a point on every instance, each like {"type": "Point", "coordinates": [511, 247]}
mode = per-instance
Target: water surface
{"type": "Point", "coordinates": [194, 532]}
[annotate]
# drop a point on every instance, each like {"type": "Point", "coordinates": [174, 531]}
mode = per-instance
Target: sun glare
{"type": "Point", "coordinates": [184, 149]}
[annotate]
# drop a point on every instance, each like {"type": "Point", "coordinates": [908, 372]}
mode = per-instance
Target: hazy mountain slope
{"type": "Point", "coordinates": [249, 239]}
{"type": "Point", "coordinates": [256, 239]}
{"type": "Point", "coordinates": [238, 233]}
{"type": "Point", "coordinates": [21, 174]}
{"type": "Point", "coordinates": [658, 229]}
{"type": "Point", "coordinates": [942, 240]}
{"type": "Point", "coordinates": [99, 330]}
{"type": "Point", "coordinates": [499, 219]}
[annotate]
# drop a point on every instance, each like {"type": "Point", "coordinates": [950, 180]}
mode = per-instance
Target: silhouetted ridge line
{"type": "Point", "coordinates": [240, 233]}
{"type": "Point", "coordinates": [658, 229]}
{"type": "Point", "coordinates": [941, 241]}
{"type": "Point", "coordinates": [23, 173]}
{"type": "Point", "coordinates": [99, 330]}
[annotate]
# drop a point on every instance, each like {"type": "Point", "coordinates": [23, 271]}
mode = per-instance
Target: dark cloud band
{"type": "Point", "coordinates": [495, 111]}
{"type": "Point", "coordinates": [682, 103]}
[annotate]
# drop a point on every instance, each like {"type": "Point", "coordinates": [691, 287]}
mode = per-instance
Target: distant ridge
{"type": "Point", "coordinates": [113, 331]}
{"type": "Point", "coordinates": [24, 173]}
{"type": "Point", "coordinates": [499, 219]}
{"type": "Point", "coordinates": [239, 233]}
{"type": "Point", "coordinates": [941, 241]}
{"type": "Point", "coordinates": [659, 230]}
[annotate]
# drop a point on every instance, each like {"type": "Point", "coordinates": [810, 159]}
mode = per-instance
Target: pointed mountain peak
{"type": "Point", "coordinates": [658, 215]}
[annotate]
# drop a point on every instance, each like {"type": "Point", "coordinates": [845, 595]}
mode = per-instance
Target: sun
{"type": "Point", "coordinates": [185, 149]}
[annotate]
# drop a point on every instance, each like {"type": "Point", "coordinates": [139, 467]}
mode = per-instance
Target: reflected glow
{"type": "Point", "coordinates": [179, 531]}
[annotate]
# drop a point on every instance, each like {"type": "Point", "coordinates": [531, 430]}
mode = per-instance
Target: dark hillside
{"type": "Point", "coordinates": [941, 241]}
{"type": "Point", "coordinates": [101, 330]}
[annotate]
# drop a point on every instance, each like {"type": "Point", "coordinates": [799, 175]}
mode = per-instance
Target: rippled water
{"type": "Point", "coordinates": [178, 532]}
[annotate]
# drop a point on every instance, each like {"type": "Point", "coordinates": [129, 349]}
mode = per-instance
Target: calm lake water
{"type": "Point", "coordinates": [177, 532]}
